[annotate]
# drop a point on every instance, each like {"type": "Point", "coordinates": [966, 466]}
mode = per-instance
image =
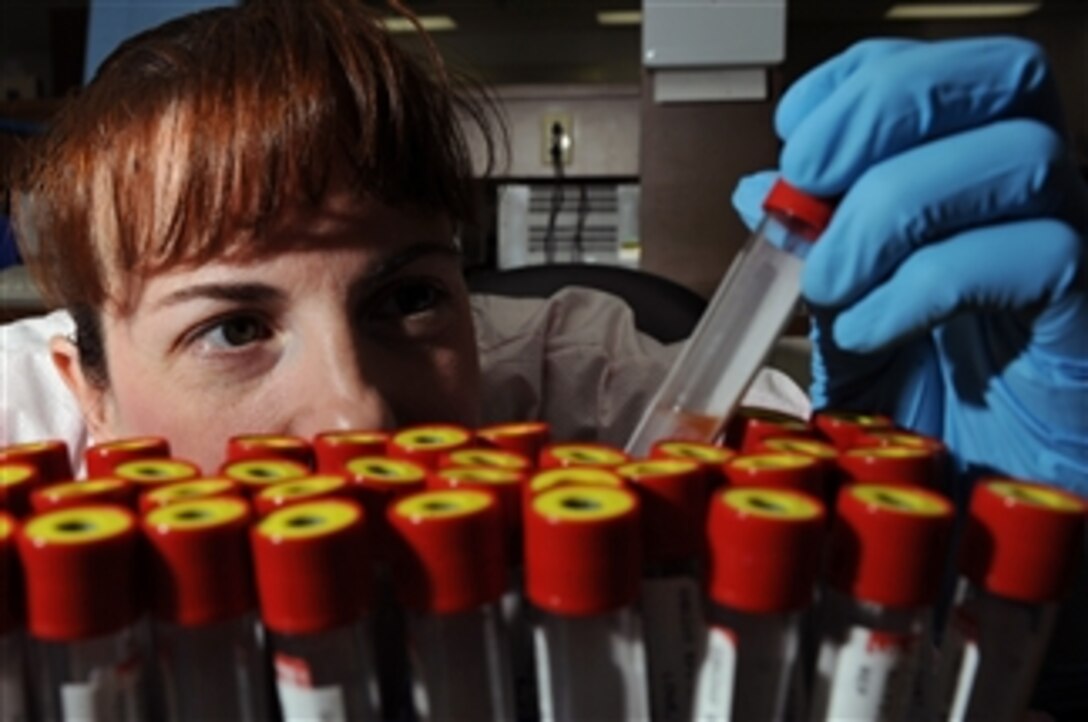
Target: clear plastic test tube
{"type": "Point", "coordinates": [747, 313]}
{"type": "Point", "coordinates": [450, 570]}
{"type": "Point", "coordinates": [208, 647]}
{"type": "Point", "coordinates": [88, 645]}
{"type": "Point", "coordinates": [583, 566]}
{"type": "Point", "coordinates": [765, 549]}
{"type": "Point", "coordinates": [13, 707]}
{"type": "Point", "coordinates": [1019, 553]}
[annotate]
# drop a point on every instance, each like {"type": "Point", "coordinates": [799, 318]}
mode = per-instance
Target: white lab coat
{"type": "Point", "coordinates": [574, 360]}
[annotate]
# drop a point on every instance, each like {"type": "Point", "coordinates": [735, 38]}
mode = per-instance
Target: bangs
{"type": "Point", "coordinates": [196, 136]}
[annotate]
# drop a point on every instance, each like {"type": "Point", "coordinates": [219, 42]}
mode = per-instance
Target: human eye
{"type": "Point", "coordinates": [409, 300]}
{"type": "Point", "coordinates": [229, 334]}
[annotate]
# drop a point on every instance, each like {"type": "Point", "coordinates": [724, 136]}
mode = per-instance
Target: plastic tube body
{"type": "Point", "coordinates": [750, 666]}
{"type": "Point", "coordinates": [591, 667]}
{"type": "Point", "coordinates": [462, 666]}
{"type": "Point", "coordinates": [672, 617]}
{"type": "Point", "coordinates": [217, 671]}
{"type": "Point", "coordinates": [13, 702]}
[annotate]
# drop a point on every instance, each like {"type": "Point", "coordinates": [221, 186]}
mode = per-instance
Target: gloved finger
{"type": "Point", "coordinates": [1005, 170]}
{"type": "Point", "coordinates": [1007, 267]}
{"type": "Point", "coordinates": [906, 98]}
{"type": "Point", "coordinates": [749, 194]}
{"type": "Point", "coordinates": [817, 85]}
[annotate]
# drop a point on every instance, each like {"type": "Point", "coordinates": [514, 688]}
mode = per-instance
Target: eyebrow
{"type": "Point", "coordinates": [261, 293]}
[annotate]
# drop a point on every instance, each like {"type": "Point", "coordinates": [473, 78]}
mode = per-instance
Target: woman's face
{"type": "Point", "coordinates": [361, 322]}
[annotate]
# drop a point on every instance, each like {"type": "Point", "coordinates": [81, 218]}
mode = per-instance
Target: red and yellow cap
{"type": "Point", "coordinates": [255, 447]}
{"type": "Point", "coordinates": [764, 549]}
{"type": "Point", "coordinates": [49, 457]}
{"type": "Point", "coordinates": [102, 458]}
{"type": "Point", "coordinates": [567, 455]}
{"type": "Point", "coordinates": [674, 494]}
{"type": "Point", "coordinates": [486, 457]}
{"type": "Point", "coordinates": [311, 565]}
{"type": "Point", "coordinates": [252, 475]}
{"type": "Point", "coordinates": [889, 544]}
{"type": "Point", "coordinates": [309, 488]}
{"type": "Point", "coordinates": [334, 449]}
{"type": "Point", "coordinates": [844, 427]}
{"type": "Point", "coordinates": [209, 488]}
{"type": "Point", "coordinates": [710, 457]}
{"type": "Point", "coordinates": [572, 476]}
{"type": "Point", "coordinates": [779, 470]}
{"type": "Point", "coordinates": [148, 473]}
{"type": "Point", "coordinates": [506, 485]}
{"type": "Point", "coordinates": [750, 425]}
{"type": "Point", "coordinates": [80, 572]}
{"type": "Point", "coordinates": [11, 582]}
{"type": "Point", "coordinates": [907, 465]}
{"type": "Point", "coordinates": [90, 492]}
{"type": "Point", "coordinates": [526, 437]}
{"type": "Point", "coordinates": [449, 553]}
{"type": "Point", "coordinates": [806, 215]}
{"type": "Point", "coordinates": [582, 550]}
{"type": "Point", "coordinates": [426, 444]}
{"type": "Point", "coordinates": [1022, 539]}
{"type": "Point", "coordinates": [199, 558]}
{"type": "Point", "coordinates": [18, 481]}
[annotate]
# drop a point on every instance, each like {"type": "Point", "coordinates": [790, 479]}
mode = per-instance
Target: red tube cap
{"type": "Point", "coordinates": [777, 470]}
{"type": "Point", "coordinates": [252, 475]}
{"type": "Point", "coordinates": [568, 455]}
{"type": "Point", "coordinates": [80, 572]}
{"type": "Point", "coordinates": [907, 465]}
{"type": "Point", "coordinates": [334, 449]}
{"type": "Point", "coordinates": [50, 458]}
{"type": "Point", "coordinates": [91, 492]}
{"type": "Point", "coordinates": [526, 438]}
{"type": "Point", "coordinates": [889, 544]}
{"type": "Point", "coordinates": [306, 489]}
{"type": "Point", "coordinates": [582, 550]}
{"type": "Point", "coordinates": [211, 488]}
{"type": "Point", "coordinates": [764, 549]}
{"type": "Point", "coordinates": [709, 457]}
{"type": "Point", "coordinates": [312, 568]}
{"type": "Point", "coordinates": [103, 458]}
{"type": "Point", "coordinates": [427, 444]}
{"type": "Point", "coordinates": [145, 474]}
{"type": "Point", "coordinates": [808, 213]}
{"type": "Point", "coordinates": [11, 583]}
{"type": "Point", "coordinates": [18, 481]}
{"type": "Point", "coordinates": [200, 571]}
{"type": "Point", "coordinates": [506, 485]}
{"type": "Point", "coordinates": [750, 425]}
{"type": "Point", "coordinates": [673, 494]}
{"type": "Point", "coordinates": [449, 554]}
{"type": "Point", "coordinates": [246, 447]}
{"type": "Point", "coordinates": [844, 427]}
{"type": "Point", "coordinates": [1022, 539]}
{"type": "Point", "coordinates": [482, 457]}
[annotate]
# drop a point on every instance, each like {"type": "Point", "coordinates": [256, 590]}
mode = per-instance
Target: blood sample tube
{"type": "Point", "coordinates": [525, 437]}
{"type": "Point", "coordinates": [777, 470]}
{"type": "Point", "coordinates": [843, 428]}
{"type": "Point", "coordinates": [102, 458]}
{"type": "Point", "coordinates": [908, 465]}
{"type": "Point", "coordinates": [1019, 553]}
{"type": "Point", "coordinates": [18, 481]}
{"type": "Point", "coordinates": [942, 466]}
{"type": "Point", "coordinates": [486, 457]}
{"type": "Point", "coordinates": [450, 564]}
{"type": "Point", "coordinates": [246, 447]}
{"type": "Point", "coordinates": [314, 588]}
{"type": "Point", "coordinates": [887, 554]}
{"type": "Point", "coordinates": [427, 444]}
{"type": "Point", "coordinates": [334, 449]}
{"type": "Point", "coordinates": [764, 559]}
{"type": "Point", "coordinates": [308, 488]}
{"type": "Point", "coordinates": [207, 640]}
{"type": "Point", "coordinates": [252, 475]}
{"type": "Point", "coordinates": [87, 650]}
{"type": "Point", "coordinates": [583, 566]}
{"type": "Point", "coordinates": [13, 703]}
{"type": "Point", "coordinates": [673, 496]}
{"type": "Point", "coordinates": [49, 457]}
{"type": "Point", "coordinates": [750, 425]}
{"type": "Point", "coordinates": [90, 492]}
{"type": "Point", "coordinates": [826, 456]}
{"type": "Point", "coordinates": [506, 485]}
{"type": "Point", "coordinates": [550, 479]}
{"type": "Point", "coordinates": [588, 455]}
{"type": "Point", "coordinates": [187, 491]}
{"type": "Point", "coordinates": [147, 474]}
{"type": "Point", "coordinates": [710, 457]}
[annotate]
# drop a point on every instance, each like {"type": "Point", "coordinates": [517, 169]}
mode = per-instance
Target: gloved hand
{"type": "Point", "coordinates": [950, 289]}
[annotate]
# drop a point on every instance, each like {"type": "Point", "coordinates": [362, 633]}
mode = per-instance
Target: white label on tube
{"type": "Point", "coordinates": [961, 646]}
{"type": "Point", "coordinates": [302, 702]}
{"type": "Point", "coordinates": [714, 693]}
{"type": "Point", "coordinates": [672, 620]}
{"type": "Point", "coordinates": [545, 693]}
{"type": "Point", "coordinates": [872, 675]}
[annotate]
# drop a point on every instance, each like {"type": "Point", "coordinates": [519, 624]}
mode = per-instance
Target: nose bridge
{"type": "Point", "coordinates": [338, 393]}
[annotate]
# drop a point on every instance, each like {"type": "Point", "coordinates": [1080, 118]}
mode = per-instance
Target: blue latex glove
{"type": "Point", "coordinates": [949, 290]}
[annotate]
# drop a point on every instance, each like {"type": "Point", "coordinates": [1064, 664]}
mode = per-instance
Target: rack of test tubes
{"type": "Point", "coordinates": [793, 571]}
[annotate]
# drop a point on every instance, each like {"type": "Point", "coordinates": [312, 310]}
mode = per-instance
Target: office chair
{"type": "Point", "coordinates": [663, 309]}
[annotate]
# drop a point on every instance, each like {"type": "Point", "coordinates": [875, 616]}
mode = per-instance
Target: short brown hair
{"type": "Point", "coordinates": [196, 134]}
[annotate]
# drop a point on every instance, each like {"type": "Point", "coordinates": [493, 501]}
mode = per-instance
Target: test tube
{"type": "Point", "coordinates": [334, 449]}
{"type": "Point", "coordinates": [709, 457]}
{"type": "Point", "coordinates": [673, 496]}
{"type": "Point", "coordinates": [207, 640]}
{"type": "Point", "coordinates": [524, 437]}
{"type": "Point", "coordinates": [748, 311]}
{"type": "Point", "coordinates": [1019, 553]}
{"type": "Point", "coordinates": [583, 566]}
{"type": "Point", "coordinates": [253, 475]}
{"type": "Point", "coordinates": [451, 572]}
{"type": "Point", "coordinates": [581, 454]}
{"type": "Point", "coordinates": [308, 488]}
{"type": "Point", "coordinates": [886, 557]}
{"type": "Point", "coordinates": [13, 702]}
{"type": "Point", "coordinates": [187, 491]}
{"type": "Point", "coordinates": [247, 447]}
{"type": "Point", "coordinates": [82, 493]}
{"type": "Point", "coordinates": [750, 425]}
{"type": "Point", "coordinates": [102, 458]}
{"type": "Point", "coordinates": [49, 457]}
{"type": "Point", "coordinates": [87, 648]}
{"type": "Point", "coordinates": [764, 559]}
{"type": "Point", "coordinates": [427, 444]}
{"type": "Point", "coordinates": [314, 587]}
{"type": "Point", "coordinates": [18, 481]}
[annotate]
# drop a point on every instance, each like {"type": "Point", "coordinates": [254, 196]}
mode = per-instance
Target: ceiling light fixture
{"type": "Point", "coordinates": [960, 11]}
{"type": "Point", "coordinates": [430, 23]}
{"type": "Point", "coordinates": [619, 17]}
